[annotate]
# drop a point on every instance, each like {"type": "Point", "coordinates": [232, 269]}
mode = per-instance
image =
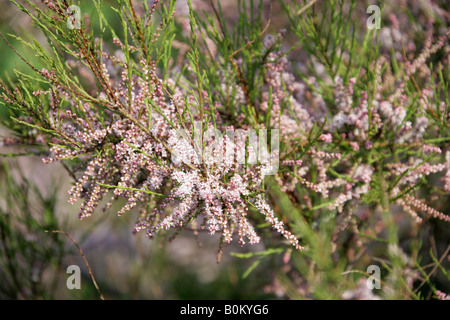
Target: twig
{"type": "Point", "coordinates": [139, 29]}
{"type": "Point", "coordinates": [299, 12]}
{"type": "Point", "coordinates": [84, 258]}
{"type": "Point", "coordinates": [434, 268]}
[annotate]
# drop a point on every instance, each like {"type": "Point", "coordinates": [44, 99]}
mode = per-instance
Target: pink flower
{"type": "Point", "coordinates": [354, 145]}
{"type": "Point", "coordinates": [327, 138]}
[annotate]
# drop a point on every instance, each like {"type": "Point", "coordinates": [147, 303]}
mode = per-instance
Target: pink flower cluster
{"type": "Point", "coordinates": [159, 143]}
{"type": "Point", "coordinates": [120, 154]}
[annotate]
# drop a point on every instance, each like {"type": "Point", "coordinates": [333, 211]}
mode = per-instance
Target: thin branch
{"type": "Point", "coordinates": [84, 258]}
{"type": "Point", "coordinates": [434, 268]}
{"type": "Point", "coordinates": [299, 12]}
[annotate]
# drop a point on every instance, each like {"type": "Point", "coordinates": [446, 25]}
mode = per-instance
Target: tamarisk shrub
{"type": "Point", "coordinates": [357, 131]}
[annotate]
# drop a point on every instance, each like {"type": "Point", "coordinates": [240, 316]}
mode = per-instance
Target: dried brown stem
{"type": "Point", "coordinates": [85, 260]}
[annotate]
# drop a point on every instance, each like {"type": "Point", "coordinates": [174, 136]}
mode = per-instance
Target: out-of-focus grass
{"type": "Point", "coordinates": [29, 256]}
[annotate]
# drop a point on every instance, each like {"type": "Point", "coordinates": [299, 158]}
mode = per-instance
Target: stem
{"type": "Point", "coordinates": [85, 261]}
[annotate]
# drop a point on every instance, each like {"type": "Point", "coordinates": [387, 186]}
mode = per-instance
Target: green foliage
{"type": "Point", "coordinates": [28, 252]}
